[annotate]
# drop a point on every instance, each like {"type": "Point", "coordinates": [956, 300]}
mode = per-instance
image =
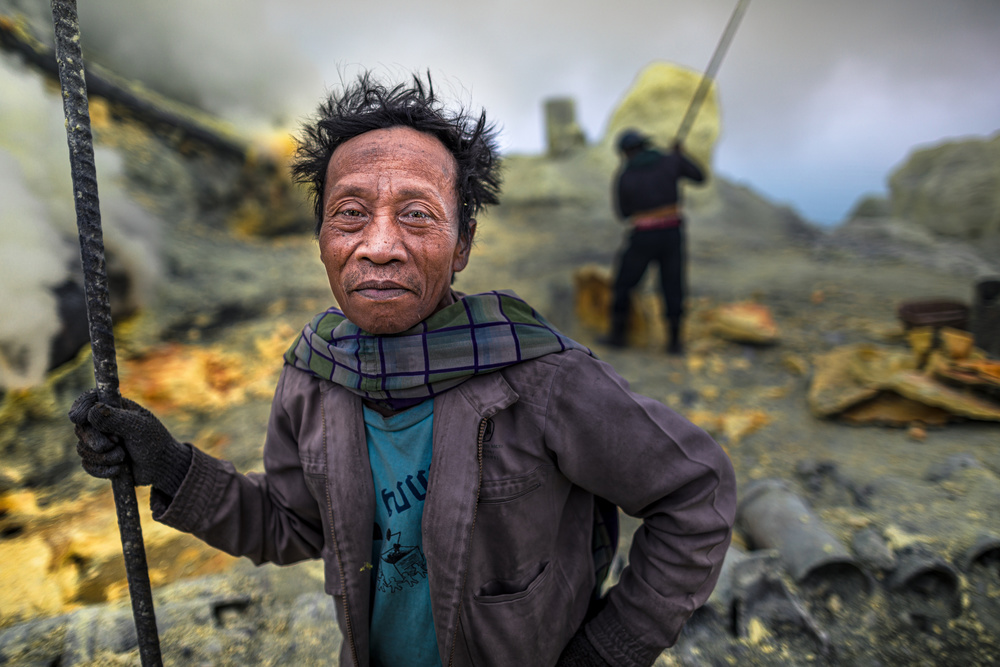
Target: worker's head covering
{"type": "Point", "coordinates": [631, 139]}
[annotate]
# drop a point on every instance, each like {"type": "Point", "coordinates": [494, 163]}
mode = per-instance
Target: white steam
{"type": "Point", "coordinates": [39, 249]}
{"type": "Point", "coordinates": [33, 258]}
{"type": "Point", "coordinates": [220, 56]}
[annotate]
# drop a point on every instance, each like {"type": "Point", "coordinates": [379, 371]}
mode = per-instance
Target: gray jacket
{"type": "Point", "coordinates": [518, 456]}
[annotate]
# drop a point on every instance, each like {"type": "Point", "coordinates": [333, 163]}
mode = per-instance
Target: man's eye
{"type": "Point", "coordinates": [416, 215]}
{"type": "Point", "coordinates": [350, 212]}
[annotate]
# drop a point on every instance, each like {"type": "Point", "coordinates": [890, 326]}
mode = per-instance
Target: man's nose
{"type": "Point", "coordinates": [383, 240]}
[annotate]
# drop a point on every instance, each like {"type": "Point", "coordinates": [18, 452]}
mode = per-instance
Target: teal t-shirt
{"type": "Point", "coordinates": [399, 449]}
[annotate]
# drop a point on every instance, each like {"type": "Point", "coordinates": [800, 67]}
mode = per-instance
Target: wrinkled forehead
{"type": "Point", "coordinates": [402, 150]}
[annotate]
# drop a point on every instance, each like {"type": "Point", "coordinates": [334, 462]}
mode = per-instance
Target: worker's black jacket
{"type": "Point", "coordinates": [649, 181]}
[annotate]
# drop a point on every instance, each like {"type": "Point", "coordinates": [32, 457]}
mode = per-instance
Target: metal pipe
{"type": "Point", "coordinates": [928, 586]}
{"type": "Point", "coordinates": [69, 56]}
{"type": "Point", "coordinates": [985, 551]}
{"type": "Point", "coordinates": [713, 66]}
{"type": "Point", "coordinates": [774, 517]}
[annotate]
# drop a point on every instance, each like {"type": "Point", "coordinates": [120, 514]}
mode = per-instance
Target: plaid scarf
{"type": "Point", "coordinates": [480, 333]}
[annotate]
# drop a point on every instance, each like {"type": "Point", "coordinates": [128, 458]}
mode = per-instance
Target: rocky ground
{"type": "Point", "coordinates": [906, 512]}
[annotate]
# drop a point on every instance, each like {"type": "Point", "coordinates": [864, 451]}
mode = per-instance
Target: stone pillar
{"type": "Point", "coordinates": [561, 129]}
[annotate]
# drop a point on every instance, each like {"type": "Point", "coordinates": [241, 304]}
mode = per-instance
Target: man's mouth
{"type": "Point", "coordinates": [379, 290]}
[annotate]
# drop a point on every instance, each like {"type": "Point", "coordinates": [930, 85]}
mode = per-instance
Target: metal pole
{"type": "Point", "coordinates": [69, 57]}
{"type": "Point", "coordinates": [713, 66]}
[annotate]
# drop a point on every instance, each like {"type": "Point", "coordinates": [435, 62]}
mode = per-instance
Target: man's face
{"type": "Point", "coordinates": [389, 237]}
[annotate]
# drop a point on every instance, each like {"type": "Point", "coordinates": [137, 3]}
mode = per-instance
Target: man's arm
{"type": "Point", "coordinates": [688, 168]}
{"type": "Point", "coordinates": [269, 517]}
{"type": "Point", "coordinates": [657, 466]}
{"type": "Point", "coordinates": [616, 198]}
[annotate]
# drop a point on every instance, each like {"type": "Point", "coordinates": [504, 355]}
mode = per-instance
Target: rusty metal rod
{"type": "Point", "coordinates": [69, 56]}
{"type": "Point", "coordinates": [713, 67]}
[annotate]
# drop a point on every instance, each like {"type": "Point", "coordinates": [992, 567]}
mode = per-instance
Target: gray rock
{"type": "Point", "coordinates": [871, 206]}
{"type": "Point", "coordinates": [312, 627]}
{"type": "Point", "coordinates": [944, 469]}
{"type": "Point", "coordinates": [952, 189]}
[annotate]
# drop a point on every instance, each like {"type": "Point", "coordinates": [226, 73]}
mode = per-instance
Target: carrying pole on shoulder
{"type": "Point", "coordinates": [713, 67]}
{"type": "Point", "coordinates": [69, 56]}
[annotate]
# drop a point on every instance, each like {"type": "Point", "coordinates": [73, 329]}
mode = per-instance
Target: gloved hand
{"type": "Point", "coordinates": [580, 653]}
{"type": "Point", "coordinates": [108, 437]}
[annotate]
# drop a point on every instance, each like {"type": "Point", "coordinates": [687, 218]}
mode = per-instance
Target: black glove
{"type": "Point", "coordinates": [111, 436]}
{"type": "Point", "coordinates": [580, 653]}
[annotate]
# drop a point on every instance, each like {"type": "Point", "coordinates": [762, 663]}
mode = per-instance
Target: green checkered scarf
{"type": "Point", "coordinates": [480, 333]}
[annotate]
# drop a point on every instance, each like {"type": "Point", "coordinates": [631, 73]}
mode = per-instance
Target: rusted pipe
{"type": "Point", "coordinates": [774, 517]}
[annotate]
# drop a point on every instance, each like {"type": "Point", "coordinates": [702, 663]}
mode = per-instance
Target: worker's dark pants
{"type": "Point", "coordinates": [664, 246]}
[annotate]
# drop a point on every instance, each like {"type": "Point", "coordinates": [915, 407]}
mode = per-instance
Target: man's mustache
{"type": "Point", "coordinates": [380, 278]}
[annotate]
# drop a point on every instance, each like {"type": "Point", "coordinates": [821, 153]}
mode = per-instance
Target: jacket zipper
{"type": "Point", "coordinates": [472, 530]}
{"type": "Point", "coordinates": [333, 535]}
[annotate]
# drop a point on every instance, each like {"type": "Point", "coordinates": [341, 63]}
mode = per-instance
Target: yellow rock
{"type": "Point", "coordinates": [891, 409]}
{"type": "Point", "coordinates": [957, 344]}
{"type": "Point", "coordinates": [834, 388]}
{"type": "Point", "coordinates": [656, 104]}
{"type": "Point", "coordinates": [29, 589]}
{"type": "Point", "coordinates": [18, 505]}
{"type": "Point", "coordinates": [745, 322]}
{"type": "Point", "coordinates": [853, 375]}
{"type": "Point", "coordinates": [924, 389]}
{"type": "Point", "coordinates": [592, 296]}
{"type": "Point", "coordinates": [737, 424]}
{"type": "Point", "coordinates": [795, 363]}
{"type": "Point", "coordinates": [734, 424]}
{"type": "Point", "coordinates": [876, 364]}
{"type": "Point", "coordinates": [757, 632]}
{"type": "Point", "coordinates": [69, 553]}
{"type": "Point", "coordinates": [971, 372]}
{"type": "Point", "coordinates": [592, 304]}
{"type": "Point", "coordinates": [175, 376]}
{"type": "Point", "coordinates": [920, 340]}
{"type": "Point", "coordinates": [898, 538]}
{"type": "Point", "coordinates": [695, 363]}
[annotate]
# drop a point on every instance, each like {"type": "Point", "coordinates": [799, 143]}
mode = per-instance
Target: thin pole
{"type": "Point", "coordinates": [69, 57]}
{"type": "Point", "coordinates": [713, 66]}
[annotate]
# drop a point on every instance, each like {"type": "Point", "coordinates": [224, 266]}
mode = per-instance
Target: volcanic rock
{"type": "Point", "coordinates": [952, 189]}
{"type": "Point", "coordinates": [655, 105]}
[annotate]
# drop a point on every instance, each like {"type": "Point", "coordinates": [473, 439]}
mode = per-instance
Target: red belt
{"type": "Point", "coordinates": [656, 222]}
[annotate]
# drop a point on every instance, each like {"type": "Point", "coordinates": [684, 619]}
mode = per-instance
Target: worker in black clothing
{"type": "Point", "coordinates": [647, 199]}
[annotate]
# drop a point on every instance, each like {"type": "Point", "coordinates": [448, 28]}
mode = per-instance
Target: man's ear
{"type": "Point", "coordinates": [463, 248]}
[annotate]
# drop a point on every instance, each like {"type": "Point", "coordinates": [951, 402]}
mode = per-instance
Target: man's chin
{"type": "Point", "coordinates": [382, 321]}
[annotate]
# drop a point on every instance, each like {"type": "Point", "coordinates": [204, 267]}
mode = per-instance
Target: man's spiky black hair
{"type": "Point", "coordinates": [369, 104]}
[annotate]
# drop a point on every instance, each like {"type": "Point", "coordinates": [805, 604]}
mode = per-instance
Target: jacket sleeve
{"type": "Point", "coordinates": [616, 198]}
{"type": "Point", "coordinates": [657, 466]}
{"type": "Point", "coordinates": [267, 517]}
{"type": "Point", "coordinates": [689, 169]}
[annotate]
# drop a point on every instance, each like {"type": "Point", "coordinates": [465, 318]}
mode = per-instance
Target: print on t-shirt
{"type": "Point", "coordinates": [401, 561]}
{"type": "Point", "coordinates": [402, 565]}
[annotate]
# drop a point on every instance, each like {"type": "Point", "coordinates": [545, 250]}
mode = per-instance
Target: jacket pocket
{"type": "Point", "coordinates": [512, 488]}
{"type": "Point", "coordinates": [522, 621]}
{"type": "Point", "coordinates": [507, 590]}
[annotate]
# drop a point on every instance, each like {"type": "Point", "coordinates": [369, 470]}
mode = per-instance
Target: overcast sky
{"type": "Point", "coordinates": [820, 99]}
